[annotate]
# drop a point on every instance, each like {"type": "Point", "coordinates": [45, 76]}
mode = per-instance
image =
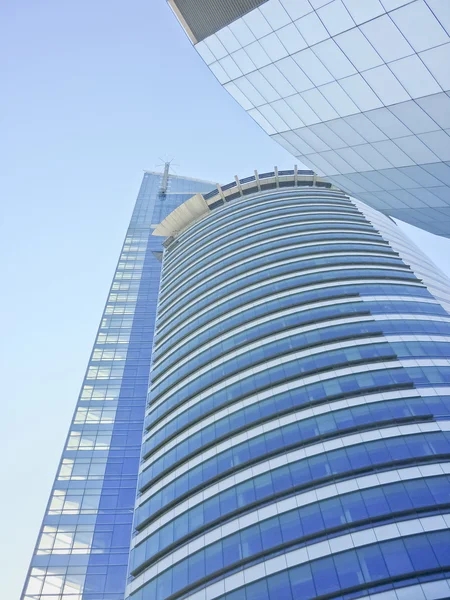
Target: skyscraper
{"type": "Point", "coordinates": [82, 549]}
{"type": "Point", "coordinates": [297, 436]}
{"type": "Point", "coordinates": [296, 429]}
{"type": "Point", "coordinates": [358, 90]}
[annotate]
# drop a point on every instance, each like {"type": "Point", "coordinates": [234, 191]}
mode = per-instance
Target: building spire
{"type": "Point", "coordinates": [165, 176]}
{"type": "Point", "coordinates": [165, 179]}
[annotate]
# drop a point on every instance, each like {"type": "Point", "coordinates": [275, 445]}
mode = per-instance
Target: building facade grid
{"type": "Point", "coordinates": [358, 91]}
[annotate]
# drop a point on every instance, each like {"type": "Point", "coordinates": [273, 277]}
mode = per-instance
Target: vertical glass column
{"type": "Point", "coordinates": [83, 545]}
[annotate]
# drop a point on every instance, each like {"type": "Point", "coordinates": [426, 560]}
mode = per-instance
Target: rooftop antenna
{"type": "Point", "coordinates": [165, 178]}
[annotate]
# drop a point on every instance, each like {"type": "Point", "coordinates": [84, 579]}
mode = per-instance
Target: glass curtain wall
{"type": "Point", "coordinates": [357, 90]}
{"type": "Point", "coordinates": [83, 545]}
{"type": "Point", "coordinates": [297, 438]}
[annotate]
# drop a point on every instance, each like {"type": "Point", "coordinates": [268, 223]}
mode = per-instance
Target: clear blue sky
{"type": "Point", "coordinates": [95, 92]}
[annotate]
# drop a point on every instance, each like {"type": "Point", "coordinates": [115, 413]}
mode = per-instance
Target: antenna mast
{"type": "Point", "coordinates": [165, 179]}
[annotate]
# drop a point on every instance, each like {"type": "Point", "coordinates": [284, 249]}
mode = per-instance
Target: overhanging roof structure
{"type": "Point", "coordinates": [201, 205]}
{"type": "Point", "coordinates": [357, 90]}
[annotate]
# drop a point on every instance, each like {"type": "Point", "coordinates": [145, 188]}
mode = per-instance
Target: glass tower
{"type": "Point", "coordinates": [297, 435]}
{"type": "Point", "coordinates": [83, 546]}
{"type": "Point", "coordinates": [357, 90]}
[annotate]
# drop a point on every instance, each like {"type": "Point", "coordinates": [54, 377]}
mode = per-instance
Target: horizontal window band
{"type": "Point", "coordinates": [285, 269]}
{"type": "Point", "coordinates": [419, 528]}
{"type": "Point", "coordinates": [280, 344]}
{"type": "Point", "coordinates": [238, 261]}
{"type": "Point", "coordinates": [149, 478]}
{"type": "Point", "coordinates": [242, 243]}
{"type": "Point", "coordinates": [188, 242]}
{"type": "Point", "coordinates": [240, 518]}
{"type": "Point", "coordinates": [426, 575]}
{"type": "Point", "coordinates": [232, 343]}
{"type": "Point", "coordinates": [278, 371]}
{"type": "Point", "coordinates": [185, 449]}
{"type": "Point", "coordinates": [328, 533]}
{"type": "Point", "coordinates": [274, 300]}
{"type": "Point", "coordinates": [287, 379]}
{"type": "Point", "coordinates": [382, 583]}
{"type": "Point", "coordinates": [285, 303]}
{"type": "Point", "coordinates": [311, 404]}
{"type": "Point", "coordinates": [250, 207]}
{"type": "Point", "coordinates": [340, 338]}
{"type": "Point", "coordinates": [281, 241]}
{"type": "Point", "coordinates": [317, 278]}
{"type": "Point", "coordinates": [222, 279]}
{"type": "Point", "coordinates": [247, 281]}
{"type": "Point", "coordinates": [426, 585]}
{"type": "Point", "coordinates": [338, 433]}
{"type": "Point", "coordinates": [296, 456]}
{"type": "Point", "coordinates": [168, 390]}
{"type": "Point", "coordinates": [319, 230]}
{"type": "Point", "coordinates": [189, 411]}
{"type": "Point", "coordinates": [239, 416]}
{"type": "Point", "coordinates": [275, 390]}
{"type": "Point", "coordinates": [262, 308]}
{"type": "Point", "coordinates": [316, 484]}
{"type": "Point", "coordinates": [202, 229]}
{"type": "Point", "coordinates": [285, 284]}
{"type": "Point", "coordinates": [269, 222]}
{"type": "Point", "coordinates": [277, 311]}
{"type": "Point", "coordinates": [255, 203]}
{"type": "Point", "coordinates": [277, 243]}
{"type": "Point", "coordinates": [151, 500]}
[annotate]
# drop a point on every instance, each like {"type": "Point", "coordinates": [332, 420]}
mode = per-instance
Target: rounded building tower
{"type": "Point", "coordinates": [297, 440]}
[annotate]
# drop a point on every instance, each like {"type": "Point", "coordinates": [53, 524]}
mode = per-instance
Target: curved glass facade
{"type": "Point", "coordinates": [297, 437]}
{"type": "Point", "coordinates": [357, 90]}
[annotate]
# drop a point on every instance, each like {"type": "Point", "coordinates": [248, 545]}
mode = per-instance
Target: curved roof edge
{"type": "Point", "coordinates": [200, 205]}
